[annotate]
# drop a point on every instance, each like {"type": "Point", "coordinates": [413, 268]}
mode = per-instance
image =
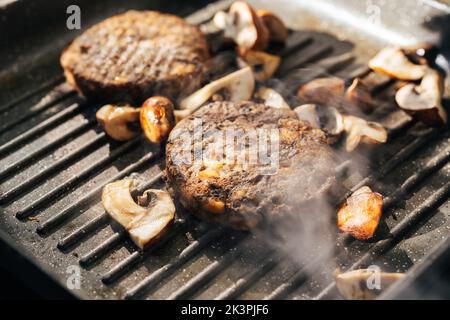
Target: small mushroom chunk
{"type": "Point", "coordinates": [264, 65]}
{"type": "Point", "coordinates": [424, 101]}
{"type": "Point", "coordinates": [361, 131]}
{"type": "Point", "coordinates": [360, 214]}
{"type": "Point", "coordinates": [146, 221]}
{"type": "Point", "coordinates": [157, 118]}
{"type": "Point", "coordinates": [364, 284]}
{"type": "Point", "coordinates": [239, 86]}
{"type": "Point", "coordinates": [359, 94]}
{"type": "Point", "coordinates": [394, 62]}
{"type": "Point", "coordinates": [322, 91]}
{"type": "Point", "coordinates": [272, 98]}
{"type": "Point", "coordinates": [220, 20]}
{"type": "Point", "coordinates": [118, 121]}
{"type": "Point", "coordinates": [246, 28]}
{"type": "Point", "coordinates": [326, 118]}
{"type": "Point", "coordinates": [277, 30]}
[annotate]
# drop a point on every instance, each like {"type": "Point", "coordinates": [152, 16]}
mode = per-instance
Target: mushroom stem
{"type": "Point", "coordinates": [239, 84]}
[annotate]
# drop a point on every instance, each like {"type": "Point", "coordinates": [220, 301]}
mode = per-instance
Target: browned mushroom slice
{"type": "Point", "coordinates": [118, 121]}
{"type": "Point", "coordinates": [326, 118]}
{"type": "Point", "coordinates": [360, 214]}
{"type": "Point", "coordinates": [272, 98]}
{"type": "Point", "coordinates": [364, 284]}
{"type": "Point", "coordinates": [157, 118]}
{"type": "Point", "coordinates": [361, 131]}
{"type": "Point", "coordinates": [264, 65]}
{"type": "Point", "coordinates": [359, 94]}
{"type": "Point", "coordinates": [394, 62]}
{"type": "Point", "coordinates": [277, 30]}
{"type": "Point", "coordinates": [246, 28]}
{"type": "Point", "coordinates": [323, 91]}
{"type": "Point", "coordinates": [424, 101]}
{"type": "Point", "coordinates": [239, 86]}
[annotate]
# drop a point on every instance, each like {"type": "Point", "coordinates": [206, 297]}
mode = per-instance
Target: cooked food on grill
{"type": "Point", "coordinates": [227, 188]}
{"type": "Point", "coordinates": [364, 284]}
{"type": "Point", "coordinates": [119, 121]}
{"type": "Point", "coordinates": [331, 91]}
{"type": "Point", "coordinates": [393, 62]}
{"type": "Point", "coordinates": [272, 98]}
{"type": "Point", "coordinates": [157, 118]}
{"type": "Point", "coordinates": [327, 119]}
{"type": "Point", "coordinates": [145, 220]}
{"type": "Point", "coordinates": [423, 101]}
{"type": "Point", "coordinates": [362, 131]}
{"type": "Point", "coordinates": [243, 25]}
{"type": "Point", "coordinates": [334, 123]}
{"type": "Point", "coordinates": [326, 91]}
{"type": "Point", "coordinates": [359, 95]}
{"type": "Point", "coordinates": [360, 214]}
{"type": "Point", "coordinates": [264, 65]}
{"type": "Point", "coordinates": [135, 55]}
{"type": "Point", "coordinates": [278, 32]}
{"type": "Point", "coordinates": [237, 86]}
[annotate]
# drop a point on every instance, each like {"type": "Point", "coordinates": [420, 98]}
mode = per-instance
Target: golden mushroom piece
{"type": "Point", "coordinates": [264, 65]}
{"type": "Point", "coordinates": [157, 118]}
{"type": "Point", "coordinates": [118, 120]}
{"type": "Point", "coordinates": [360, 214]}
{"type": "Point", "coordinates": [362, 131]}
{"type": "Point", "coordinates": [393, 62]}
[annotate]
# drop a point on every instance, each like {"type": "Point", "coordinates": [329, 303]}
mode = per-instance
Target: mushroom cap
{"type": "Point", "coordinates": [246, 28]}
{"type": "Point", "coordinates": [157, 118]}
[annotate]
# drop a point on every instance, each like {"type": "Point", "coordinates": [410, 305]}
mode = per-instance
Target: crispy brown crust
{"type": "Point", "coordinates": [305, 171]}
{"type": "Point", "coordinates": [137, 54]}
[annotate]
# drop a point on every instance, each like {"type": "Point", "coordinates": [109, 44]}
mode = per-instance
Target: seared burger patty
{"type": "Point", "coordinates": [232, 189]}
{"type": "Point", "coordinates": [134, 55]}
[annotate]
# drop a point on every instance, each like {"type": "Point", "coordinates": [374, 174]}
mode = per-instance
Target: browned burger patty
{"type": "Point", "coordinates": [228, 191]}
{"type": "Point", "coordinates": [134, 55]}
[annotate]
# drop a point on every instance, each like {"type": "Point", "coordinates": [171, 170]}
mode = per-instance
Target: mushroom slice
{"type": "Point", "coordinates": [117, 121]}
{"type": "Point", "coordinates": [364, 284]}
{"type": "Point", "coordinates": [360, 214]}
{"type": "Point", "coordinates": [424, 101]}
{"type": "Point", "coordinates": [157, 118]}
{"type": "Point", "coordinates": [359, 94]}
{"type": "Point", "coordinates": [146, 221]}
{"type": "Point", "coordinates": [264, 65]}
{"type": "Point", "coordinates": [220, 20]}
{"type": "Point", "coordinates": [394, 62]}
{"type": "Point", "coordinates": [246, 28]}
{"type": "Point", "coordinates": [277, 30]}
{"type": "Point", "coordinates": [362, 131]}
{"type": "Point", "coordinates": [272, 98]}
{"type": "Point", "coordinates": [326, 118]}
{"type": "Point", "coordinates": [239, 86]}
{"type": "Point", "coordinates": [322, 91]}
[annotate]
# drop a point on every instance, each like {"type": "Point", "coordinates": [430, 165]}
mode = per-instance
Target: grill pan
{"type": "Point", "coordinates": [55, 160]}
